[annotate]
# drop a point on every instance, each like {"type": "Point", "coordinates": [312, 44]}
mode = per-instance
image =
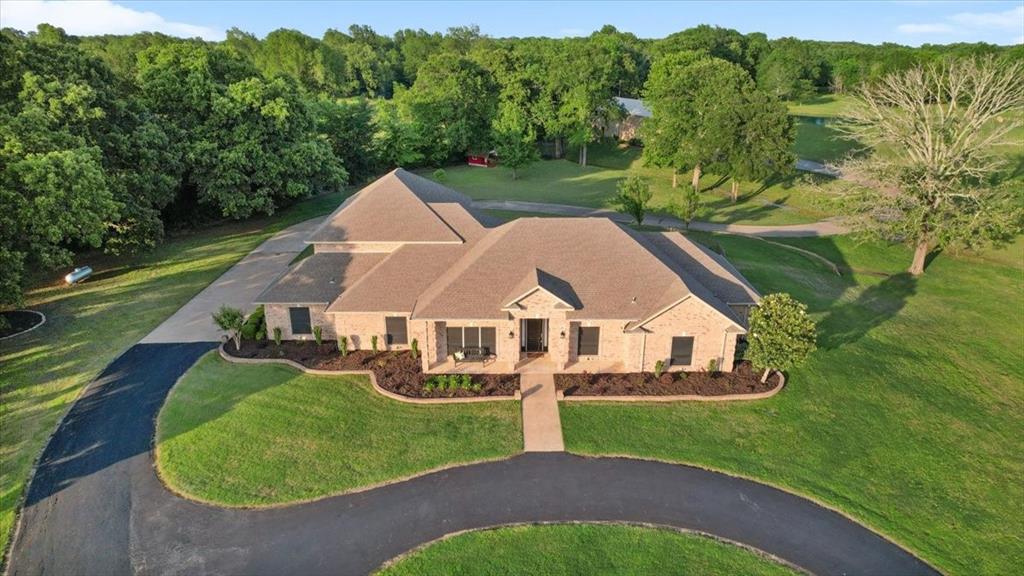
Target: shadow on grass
{"type": "Point", "coordinates": [848, 322]}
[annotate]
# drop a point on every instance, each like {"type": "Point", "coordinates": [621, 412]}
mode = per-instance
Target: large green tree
{"type": "Point", "coordinates": [763, 138]}
{"type": "Point", "coordinates": [452, 104]}
{"type": "Point", "coordinates": [694, 100]}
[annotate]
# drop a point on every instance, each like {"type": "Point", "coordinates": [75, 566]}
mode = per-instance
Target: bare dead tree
{"type": "Point", "coordinates": [935, 138]}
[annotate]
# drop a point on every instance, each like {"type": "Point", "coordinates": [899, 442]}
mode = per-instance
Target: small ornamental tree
{"type": "Point", "coordinates": [230, 320]}
{"type": "Point", "coordinates": [318, 335]}
{"type": "Point", "coordinates": [781, 334]}
{"type": "Point", "coordinates": [686, 210]}
{"type": "Point", "coordinates": [634, 194]}
{"type": "Point", "coordinates": [415, 347]}
{"type": "Point", "coordinates": [343, 345]}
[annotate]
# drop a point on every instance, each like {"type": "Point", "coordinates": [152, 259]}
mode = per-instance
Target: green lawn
{"type": "Point", "coordinates": [591, 549]}
{"type": "Point", "coordinates": [909, 417]}
{"type": "Point", "coordinates": [251, 435]}
{"type": "Point", "coordinates": [793, 201]}
{"type": "Point", "coordinates": [823, 105]}
{"type": "Point", "coordinates": [821, 142]}
{"type": "Point", "coordinates": [88, 325]}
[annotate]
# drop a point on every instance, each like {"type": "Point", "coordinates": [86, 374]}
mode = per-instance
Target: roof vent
{"type": "Point", "coordinates": [333, 281]}
{"type": "Point", "coordinates": [634, 300]}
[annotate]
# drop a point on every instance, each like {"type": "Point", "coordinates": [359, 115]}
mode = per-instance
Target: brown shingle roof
{"type": "Point", "coordinates": [707, 267]}
{"type": "Point", "coordinates": [388, 210]}
{"type": "Point", "coordinates": [610, 273]}
{"type": "Point", "coordinates": [320, 278]}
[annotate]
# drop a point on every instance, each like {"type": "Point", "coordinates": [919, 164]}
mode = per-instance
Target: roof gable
{"type": "Point", "coordinates": [553, 292]}
{"type": "Point", "coordinates": [388, 211]}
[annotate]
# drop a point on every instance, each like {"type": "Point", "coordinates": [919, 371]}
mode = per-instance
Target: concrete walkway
{"type": "Point", "coordinates": [96, 506]}
{"type": "Point", "coordinates": [542, 428]}
{"type": "Point", "coordinates": [237, 287]}
{"type": "Point", "coordinates": [823, 228]}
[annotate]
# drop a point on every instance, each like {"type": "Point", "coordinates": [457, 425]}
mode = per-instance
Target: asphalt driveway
{"type": "Point", "coordinates": [96, 505]}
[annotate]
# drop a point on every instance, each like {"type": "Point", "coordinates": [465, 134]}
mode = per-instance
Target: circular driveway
{"type": "Point", "coordinates": [96, 505]}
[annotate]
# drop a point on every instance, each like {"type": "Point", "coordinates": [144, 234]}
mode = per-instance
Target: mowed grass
{"type": "Point", "coordinates": [797, 199]}
{"type": "Point", "coordinates": [88, 325]}
{"type": "Point", "coordinates": [909, 417]}
{"type": "Point", "coordinates": [822, 105]}
{"type": "Point", "coordinates": [592, 549]}
{"type": "Point", "coordinates": [251, 435]}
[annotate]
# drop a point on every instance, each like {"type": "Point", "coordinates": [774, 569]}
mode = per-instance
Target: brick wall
{"type": "Point", "coordinates": [278, 317]}
{"type": "Point", "coordinates": [694, 318]}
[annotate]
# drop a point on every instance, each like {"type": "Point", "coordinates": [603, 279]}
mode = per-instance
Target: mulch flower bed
{"type": "Point", "coordinates": [18, 321]}
{"type": "Point", "coordinates": [396, 372]}
{"type": "Point", "coordinates": [742, 380]}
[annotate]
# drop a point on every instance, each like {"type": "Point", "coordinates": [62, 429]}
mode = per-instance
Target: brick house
{"type": "Point", "coordinates": [406, 258]}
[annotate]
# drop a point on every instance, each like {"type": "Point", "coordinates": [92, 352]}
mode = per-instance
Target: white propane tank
{"type": "Point", "coordinates": [78, 274]}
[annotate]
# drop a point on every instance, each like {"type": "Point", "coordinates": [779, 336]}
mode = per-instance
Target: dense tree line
{"type": "Point", "coordinates": [110, 140]}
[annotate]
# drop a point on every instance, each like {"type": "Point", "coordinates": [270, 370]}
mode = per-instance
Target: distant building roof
{"type": "Point", "coordinates": [634, 106]}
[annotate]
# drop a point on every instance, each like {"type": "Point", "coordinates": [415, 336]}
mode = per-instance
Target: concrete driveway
{"type": "Point", "coordinates": [237, 287]}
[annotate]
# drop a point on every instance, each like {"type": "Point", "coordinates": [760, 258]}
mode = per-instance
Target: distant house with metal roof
{"type": "Point", "coordinates": [628, 127]}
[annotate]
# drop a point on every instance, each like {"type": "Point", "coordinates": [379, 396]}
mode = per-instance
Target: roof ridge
{"type": "Point", "coordinates": [464, 262]}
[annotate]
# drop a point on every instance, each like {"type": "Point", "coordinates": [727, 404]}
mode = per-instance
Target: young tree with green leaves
{"type": "Point", "coordinates": [933, 177]}
{"type": "Point", "coordinates": [514, 139]}
{"type": "Point", "coordinates": [633, 197]}
{"type": "Point", "coordinates": [230, 320]}
{"type": "Point", "coordinates": [781, 334]}
{"type": "Point", "coordinates": [686, 209]}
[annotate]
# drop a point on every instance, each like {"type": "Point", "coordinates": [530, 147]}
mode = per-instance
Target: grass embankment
{"type": "Point", "coordinates": [908, 417]}
{"type": "Point", "coordinates": [88, 325]}
{"type": "Point", "coordinates": [793, 201]}
{"type": "Point", "coordinates": [570, 549]}
{"type": "Point", "coordinates": [251, 435]}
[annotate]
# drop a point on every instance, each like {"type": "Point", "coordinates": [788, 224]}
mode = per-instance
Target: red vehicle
{"type": "Point", "coordinates": [489, 160]}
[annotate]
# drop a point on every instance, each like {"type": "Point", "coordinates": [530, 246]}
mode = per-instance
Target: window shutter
{"type": "Point", "coordinates": [397, 330]}
{"type": "Point", "coordinates": [589, 339]}
{"type": "Point", "coordinates": [301, 323]}
{"type": "Point", "coordinates": [682, 350]}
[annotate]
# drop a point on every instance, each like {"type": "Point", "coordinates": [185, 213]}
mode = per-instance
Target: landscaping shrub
{"type": "Point", "coordinates": [318, 335]}
{"type": "Point", "coordinates": [415, 347]}
{"type": "Point", "coordinates": [277, 336]}
{"type": "Point", "coordinates": [343, 345]}
{"type": "Point", "coordinates": [659, 368]}
{"type": "Point", "coordinates": [440, 175]}
{"type": "Point", "coordinates": [713, 365]}
{"type": "Point", "coordinates": [255, 326]}
{"type": "Point", "coordinates": [373, 343]}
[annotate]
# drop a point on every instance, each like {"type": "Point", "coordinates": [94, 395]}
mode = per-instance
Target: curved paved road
{"type": "Point", "coordinates": [822, 228]}
{"type": "Point", "coordinates": [96, 505]}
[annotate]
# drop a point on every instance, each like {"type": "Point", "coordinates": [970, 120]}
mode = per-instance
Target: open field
{"type": "Point", "coordinates": [792, 201]}
{"type": "Point", "coordinates": [908, 417]}
{"type": "Point", "coordinates": [570, 549]}
{"type": "Point", "coordinates": [251, 435]}
{"type": "Point", "coordinates": [90, 324]}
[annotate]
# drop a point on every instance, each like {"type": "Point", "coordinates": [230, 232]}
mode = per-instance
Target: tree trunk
{"type": "Point", "coordinates": [675, 178]}
{"type": "Point", "coordinates": [696, 178]}
{"type": "Point", "coordinates": [513, 173]}
{"type": "Point", "coordinates": [920, 254]}
{"type": "Point", "coordinates": [764, 377]}
{"type": "Point", "coordinates": [238, 341]}
{"type": "Point", "coordinates": [735, 191]}
{"type": "Point", "coordinates": [558, 148]}
{"type": "Point", "coordinates": [583, 155]}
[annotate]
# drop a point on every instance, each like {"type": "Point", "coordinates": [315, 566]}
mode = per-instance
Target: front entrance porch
{"type": "Point", "coordinates": [534, 336]}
